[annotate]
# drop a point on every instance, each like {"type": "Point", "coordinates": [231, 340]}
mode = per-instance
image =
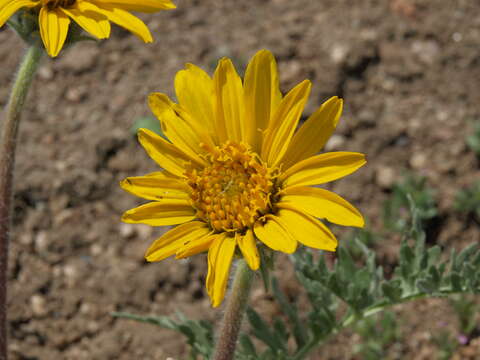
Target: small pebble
{"type": "Point", "coordinates": [418, 160]}
{"type": "Point", "coordinates": [127, 230]}
{"type": "Point", "coordinates": [335, 143]}
{"type": "Point", "coordinates": [41, 241]}
{"type": "Point", "coordinates": [38, 305]}
{"type": "Point", "coordinates": [385, 177]}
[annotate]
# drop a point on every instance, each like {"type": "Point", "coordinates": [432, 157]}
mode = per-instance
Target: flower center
{"type": "Point", "coordinates": [234, 190]}
{"type": "Point", "coordinates": [53, 4]}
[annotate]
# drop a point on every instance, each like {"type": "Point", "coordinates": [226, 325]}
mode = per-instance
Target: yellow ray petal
{"type": "Point", "coordinates": [195, 246]}
{"type": "Point", "coordinates": [284, 122]}
{"type": "Point", "coordinates": [194, 89]}
{"type": "Point", "coordinates": [9, 7]}
{"type": "Point", "coordinates": [262, 96]}
{"type": "Point", "coordinates": [171, 241]}
{"type": "Point", "coordinates": [161, 213]}
{"type": "Point", "coordinates": [87, 16]}
{"type": "Point", "coordinates": [212, 257]}
{"type": "Point", "coordinates": [163, 153]}
{"type": "Point", "coordinates": [199, 129]}
{"type": "Point", "coordinates": [229, 104]}
{"type": "Point", "coordinates": [156, 186]}
{"type": "Point", "coordinates": [53, 29]}
{"type": "Point", "coordinates": [275, 235]}
{"type": "Point", "coordinates": [220, 258]}
{"type": "Point", "coordinates": [323, 204]}
{"type": "Point", "coordinates": [306, 229]}
{"type": "Point", "coordinates": [247, 245]}
{"type": "Point", "coordinates": [314, 133]}
{"type": "Point", "coordinates": [322, 168]}
{"type": "Point", "coordinates": [146, 6]}
{"type": "Point", "coordinates": [126, 20]}
{"type": "Point", "coordinates": [178, 131]}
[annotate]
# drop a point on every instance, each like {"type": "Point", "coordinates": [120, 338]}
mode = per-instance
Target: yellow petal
{"type": "Point", "coordinates": [9, 7]}
{"type": "Point", "coordinates": [284, 122]}
{"type": "Point", "coordinates": [161, 213]}
{"type": "Point", "coordinates": [314, 133]}
{"type": "Point", "coordinates": [247, 245]}
{"type": "Point", "coordinates": [306, 229]}
{"type": "Point", "coordinates": [195, 246]}
{"type": "Point", "coordinates": [220, 258]}
{"type": "Point", "coordinates": [322, 168]}
{"type": "Point", "coordinates": [229, 104]}
{"type": "Point", "coordinates": [126, 20]}
{"type": "Point", "coordinates": [53, 29]}
{"type": "Point", "coordinates": [88, 17]}
{"type": "Point", "coordinates": [262, 96]}
{"type": "Point", "coordinates": [194, 89]}
{"type": "Point", "coordinates": [323, 204]}
{"type": "Point", "coordinates": [146, 6]}
{"type": "Point", "coordinates": [275, 235]}
{"type": "Point", "coordinates": [163, 153]}
{"type": "Point", "coordinates": [171, 241]}
{"type": "Point", "coordinates": [212, 257]}
{"type": "Point", "coordinates": [199, 130]}
{"type": "Point", "coordinates": [156, 186]}
{"type": "Point", "coordinates": [178, 131]}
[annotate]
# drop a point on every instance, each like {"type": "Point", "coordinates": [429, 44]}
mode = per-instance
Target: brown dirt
{"type": "Point", "coordinates": [408, 70]}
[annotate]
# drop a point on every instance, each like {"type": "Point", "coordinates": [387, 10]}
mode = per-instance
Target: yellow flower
{"type": "Point", "coordinates": [236, 172]}
{"type": "Point", "coordinates": [93, 16]}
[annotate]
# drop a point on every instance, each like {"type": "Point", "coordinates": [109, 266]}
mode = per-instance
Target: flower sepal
{"type": "Point", "coordinates": [267, 262]}
{"type": "Point", "coordinates": [25, 24]}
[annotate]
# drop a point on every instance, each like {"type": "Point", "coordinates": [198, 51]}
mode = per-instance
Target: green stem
{"type": "Point", "coordinates": [8, 140]}
{"type": "Point", "coordinates": [232, 319]}
{"type": "Point", "coordinates": [353, 318]}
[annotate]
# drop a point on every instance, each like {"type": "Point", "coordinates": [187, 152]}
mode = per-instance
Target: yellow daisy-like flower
{"type": "Point", "coordinates": [93, 16]}
{"type": "Point", "coordinates": [236, 171]}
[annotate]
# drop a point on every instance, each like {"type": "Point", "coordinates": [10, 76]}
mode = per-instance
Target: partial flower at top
{"type": "Point", "coordinates": [93, 16]}
{"type": "Point", "coordinates": [236, 171]}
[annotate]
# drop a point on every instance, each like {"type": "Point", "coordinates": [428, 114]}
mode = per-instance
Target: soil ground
{"type": "Point", "coordinates": [408, 70]}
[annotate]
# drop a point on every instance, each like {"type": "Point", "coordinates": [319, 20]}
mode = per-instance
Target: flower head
{"type": "Point", "coordinates": [237, 173]}
{"type": "Point", "coordinates": [93, 16]}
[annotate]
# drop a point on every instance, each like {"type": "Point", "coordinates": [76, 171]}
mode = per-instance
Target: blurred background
{"type": "Point", "coordinates": [409, 71]}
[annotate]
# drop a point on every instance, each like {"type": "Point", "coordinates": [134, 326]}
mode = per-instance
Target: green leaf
{"type": "Point", "coordinates": [147, 122]}
{"type": "Point", "coordinates": [262, 331]}
{"type": "Point", "coordinates": [298, 328]}
{"type": "Point", "coordinates": [392, 290]}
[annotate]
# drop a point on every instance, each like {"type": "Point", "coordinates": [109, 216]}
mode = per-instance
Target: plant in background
{"type": "Point", "coordinates": [445, 343]}
{"type": "Point", "coordinates": [473, 140]}
{"type": "Point", "coordinates": [239, 179]}
{"type": "Point", "coordinates": [468, 200]}
{"type": "Point", "coordinates": [377, 333]}
{"type": "Point", "coordinates": [48, 22]}
{"type": "Point", "coordinates": [396, 216]}
{"type": "Point", "coordinates": [466, 310]}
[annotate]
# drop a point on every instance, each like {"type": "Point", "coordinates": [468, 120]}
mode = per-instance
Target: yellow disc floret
{"type": "Point", "coordinates": [234, 190]}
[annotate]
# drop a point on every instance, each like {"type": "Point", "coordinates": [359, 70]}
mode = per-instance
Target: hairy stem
{"type": "Point", "coordinates": [8, 139]}
{"type": "Point", "coordinates": [232, 319]}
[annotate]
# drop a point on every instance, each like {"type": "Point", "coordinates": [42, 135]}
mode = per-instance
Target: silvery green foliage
{"type": "Point", "coordinates": [413, 189]}
{"type": "Point", "coordinates": [339, 297]}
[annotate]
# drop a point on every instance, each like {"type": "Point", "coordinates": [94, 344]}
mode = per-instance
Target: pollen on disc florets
{"type": "Point", "coordinates": [234, 190]}
{"type": "Point", "coordinates": [53, 4]}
